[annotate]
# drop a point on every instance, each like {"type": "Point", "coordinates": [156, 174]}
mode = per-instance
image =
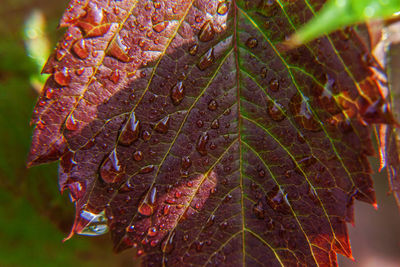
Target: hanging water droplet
{"type": "Point", "coordinates": [62, 77]}
{"type": "Point", "coordinates": [131, 131]}
{"type": "Point", "coordinates": [207, 60]}
{"type": "Point", "coordinates": [97, 223]}
{"type": "Point", "coordinates": [275, 111]}
{"type": "Point", "coordinates": [222, 8]}
{"type": "Point", "coordinates": [80, 49]}
{"type": "Point", "coordinates": [207, 32]}
{"type": "Point", "coordinates": [201, 145]}
{"type": "Point", "coordinates": [71, 123]}
{"type": "Point", "coordinates": [162, 126]}
{"type": "Point", "coordinates": [110, 170]}
{"type": "Point", "coordinates": [251, 43]}
{"type": "Point", "coordinates": [193, 49]}
{"type": "Point", "coordinates": [177, 93]}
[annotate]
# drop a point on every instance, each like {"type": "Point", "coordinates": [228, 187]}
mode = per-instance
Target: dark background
{"type": "Point", "coordinates": [34, 217]}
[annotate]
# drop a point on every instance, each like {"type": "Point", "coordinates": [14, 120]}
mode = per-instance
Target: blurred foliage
{"type": "Point", "coordinates": [339, 13]}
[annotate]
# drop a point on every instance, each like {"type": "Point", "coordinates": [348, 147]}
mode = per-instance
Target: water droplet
{"type": "Point", "coordinates": [177, 93]}
{"type": "Point", "coordinates": [212, 105]}
{"type": "Point", "coordinates": [178, 194]}
{"type": "Point", "coordinates": [152, 231]}
{"type": "Point", "coordinates": [111, 171]}
{"type": "Point", "coordinates": [80, 49]}
{"type": "Point", "coordinates": [302, 113]}
{"type": "Point", "coordinates": [274, 85]}
{"type": "Point", "coordinates": [275, 198]}
{"type": "Point", "coordinates": [162, 126]}
{"type": "Point", "coordinates": [80, 71]}
{"type": "Point", "coordinates": [223, 225]}
{"type": "Point", "coordinates": [166, 209]}
{"type": "Point", "coordinates": [200, 123]}
{"type": "Point", "coordinates": [275, 111]}
{"type": "Point", "coordinates": [50, 93]}
{"type": "Point", "coordinates": [251, 42]}
{"type": "Point", "coordinates": [222, 8]}
{"type": "Point", "coordinates": [77, 190]}
{"type": "Point", "coordinates": [60, 54]}
{"type": "Point", "coordinates": [210, 221]}
{"type": "Point", "coordinates": [168, 244]}
{"type": "Point", "coordinates": [71, 123]}
{"type": "Point", "coordinates": [207, 32]}
{"type": "Point", "coordinates": [96, 223]}
{"type": "Point", "coordinates": [201, 145]}
{"type": "Point", "coordinates": [258, 210]}
{"type": "Point", "coordinates": [159, 27]}
{"type": "Point", "coordinates": [147, 169]}
{"type": "Point", "coordinates": [115, 75]}
{"type": "Point", "coordinates": [62, 77]}
{"type": "Point", "coordinates": [119, 50]}
{"type": "Point", "coordinates": [207, 60]}
{"type": "Point", "coordinates": [131, 131]}
{"type": "Point", "coordinates": [215, 124]}
{"type": "Point", "coordinates": [138, 155]}
{"type": "Point", "coordinates": [186, 162]}
{"type": "Point", "coordinates": [193, 49]}
{"type": "Point", "coordinates": [145, 209]}
{"type": "Point", "coordinates": [146, 136]}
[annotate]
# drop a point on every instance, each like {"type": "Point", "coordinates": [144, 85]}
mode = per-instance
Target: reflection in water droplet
{"type": "Point", "coordinates": [162, 126]}
{"type": "Point", "coordinates": [207, 32]}
{"type": "Point", "coordinates": [275, 111]}
{"type": "Point", "coordinates": [62, 77]}
{"type": "Point", "coordinates": [207, 60]}
{"type": "Point", "coordinates": [251, 42]}
{"type": "Point", "coordinates": [177, 93]}
{"type": "Point", "coordinates": [97, 223]}
{"type": "Point", "coordinates": [131, 131]}
{"type": "Point", "coordinates": [201, 145]}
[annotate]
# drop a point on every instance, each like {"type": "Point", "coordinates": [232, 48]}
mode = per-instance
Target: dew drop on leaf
{"type": "Point", "coordinates": [138, 155]}
{"type": "Point", "coordinates": [96, 223]}
{"type": "Point", "coordinates": [159, 27]}
{"type": "Point", "coordinates": [207, 60]}
{"type": "Point", "coordinates": [110, 171]}
{"type": "Point", "coordinates": [222, 8]}
{"type": "Point", "coordinates": [193, 49]}
{"type": "Point", "coordinates": [207, 32]}
{"type": "Point", "coordinates": [251, 42]}
{"type": "Point", "coordinates": [71, 123]}
{"type": "Point", "coordinates": [275, 111]}
{"type": "Point", "coordinates": [212, 105]}
{"type": "Point", "coordinates": [177, 93]}
{"type": "Point", "coordinates": [163, 125]}
{"type": "Point", "coordinates": [62, 77]}
{"type": "Point", "coordinates": [131, 131]}
{"type": "Point", "coordinates": [274, 85]}
{"type": "Point", "coordinates": [201, 145]}
{"type": "Point", "coordinates": [80, 49]}
{"type": "Point", "coordinates": [168, 245]}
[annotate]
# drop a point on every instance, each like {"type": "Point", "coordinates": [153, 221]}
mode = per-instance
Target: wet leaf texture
{"type": "Point", "coordinates": [187, 130]}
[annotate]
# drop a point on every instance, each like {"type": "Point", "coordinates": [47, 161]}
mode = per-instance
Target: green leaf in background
{"type": "Point", "coordinates": [338, 13]}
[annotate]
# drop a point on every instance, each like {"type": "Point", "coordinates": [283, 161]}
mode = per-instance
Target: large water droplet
{"type": "Point", "coordinates": [119, 50]}
{"type": "Point", "coordinates": [97, 223]}
{"type": "Point", "coordinates": [163, 125]}
{"type": "Point", "coordinates": [201, 145]}
{"type": "Point", "coordinates": [177, 93]}
{"type": "Point", "coordinates": [131, 131]}
{"type": "Point", "coordinates": [80, 49]}
{"type": "Point", "coordinates": [207, 32]}
{"type": "Point", "coordinates": [275, 111]}
{"type": "Point", "coordinates": [62, 77]}
{"type": "Point", "coordinates": [207, 60]}
{"type": "Point", "coordinates": [111, 171]}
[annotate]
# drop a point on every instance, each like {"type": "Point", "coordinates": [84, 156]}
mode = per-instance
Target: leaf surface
{"type": "Point", "coordinates": [188, 130]}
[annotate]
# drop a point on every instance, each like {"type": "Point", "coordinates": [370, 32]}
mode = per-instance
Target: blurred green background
{"type": "Point", "coordinates": [34, 217]}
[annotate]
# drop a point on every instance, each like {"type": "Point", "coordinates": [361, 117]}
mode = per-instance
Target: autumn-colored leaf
{"type": "Point", "coordinates": [188, 130]}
